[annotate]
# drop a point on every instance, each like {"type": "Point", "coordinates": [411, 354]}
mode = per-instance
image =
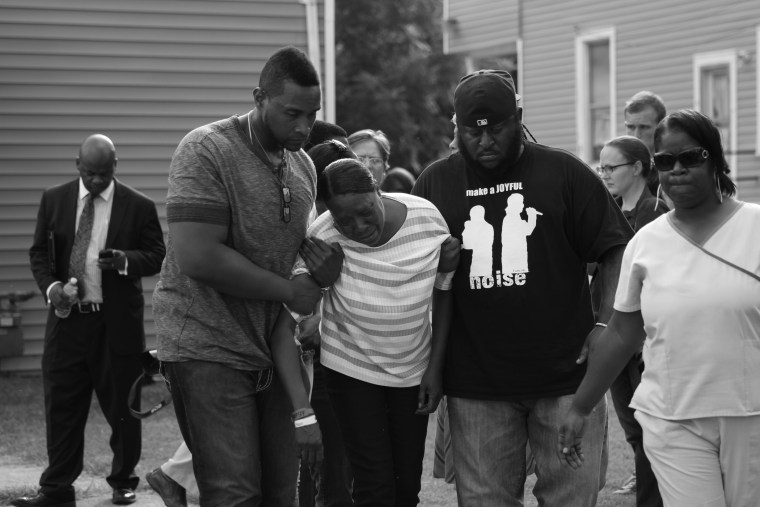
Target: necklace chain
{"type": "Point", "coordinates": [279, 174]}
{"type": "Point", "coordinates": [252, 135]}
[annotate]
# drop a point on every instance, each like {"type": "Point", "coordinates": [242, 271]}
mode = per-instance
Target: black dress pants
{"type": "Point", "coordinates": [78, 360]}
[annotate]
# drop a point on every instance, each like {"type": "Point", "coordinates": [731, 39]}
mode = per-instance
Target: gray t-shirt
{"type": "Point", "coordinates": [217, 176]}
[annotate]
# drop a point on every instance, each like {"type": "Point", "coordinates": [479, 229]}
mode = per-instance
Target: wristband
{"type": "Point", "coordinates": [601, 324]}
{"type": "Point", "coordinates": [305, 421]}
{"type": "Point", "coordinates": [301, 413]}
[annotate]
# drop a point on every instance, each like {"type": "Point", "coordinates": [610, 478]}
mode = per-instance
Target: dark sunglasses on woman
{"type": "Point", "coordinates": [692, 157]}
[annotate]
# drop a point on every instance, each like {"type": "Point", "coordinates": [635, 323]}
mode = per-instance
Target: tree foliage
{"type": "Point", "coordinates": [392, 75]}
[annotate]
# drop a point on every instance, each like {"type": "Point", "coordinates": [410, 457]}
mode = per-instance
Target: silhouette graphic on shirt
{"type": "Point", "coordinates": [478, 237]}
{"type": "Point", "coordinates": [514, 234]}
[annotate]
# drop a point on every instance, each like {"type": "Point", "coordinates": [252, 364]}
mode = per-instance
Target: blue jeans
{"type": "Point", "coordinates": [238, 428]}
{"type": "Point", "coordinates": [384, 438]}
{"type": "Point", "coordinates": [488, 439]}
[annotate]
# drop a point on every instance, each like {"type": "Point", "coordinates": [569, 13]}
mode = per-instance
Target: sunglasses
{"type": "Point", "coordinates": [286, 204]}
{"type": "Point", "coordinates": [693, 157]}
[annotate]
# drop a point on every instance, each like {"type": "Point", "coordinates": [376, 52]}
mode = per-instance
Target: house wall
{"type": "Point", "coordinates": [655, 45]}
{"type": "Point", "coordinates": [143, 72]}
{"type": "Point", "coordinates": [481, 26]}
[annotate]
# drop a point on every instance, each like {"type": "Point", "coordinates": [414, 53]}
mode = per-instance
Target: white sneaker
{"type": "Point", "coordinates": [628, 487]}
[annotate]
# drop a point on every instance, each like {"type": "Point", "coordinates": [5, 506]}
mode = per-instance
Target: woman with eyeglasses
{"type": "Point", "coordinates": [373, 149]}
{"type": "Point", "coordinates": [382, 357]}
{"type": "Point", "coordinates": [689, 289]}
{"type": "Point", "coordinates": [624, 166]}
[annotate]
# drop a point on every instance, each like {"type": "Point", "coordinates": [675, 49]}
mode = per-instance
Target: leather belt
{"type": "Point", "coordinates": [87, 307]}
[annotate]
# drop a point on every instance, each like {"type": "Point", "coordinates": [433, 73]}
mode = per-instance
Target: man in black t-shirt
{"type": "Point", "coordinates": [530, 217]}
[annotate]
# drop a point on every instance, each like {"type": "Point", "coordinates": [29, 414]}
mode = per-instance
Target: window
{"type": "Point", "coordinates": [715, 96]}
{"type": "Point", "coordinates": [595, 92]}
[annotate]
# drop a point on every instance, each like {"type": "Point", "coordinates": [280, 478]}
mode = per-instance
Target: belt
{"type": "Point", "coordinates": [87, 307]}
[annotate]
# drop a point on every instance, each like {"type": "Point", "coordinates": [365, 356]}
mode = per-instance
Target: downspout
{"type": "Point", "coordinates": [312, 36]}
{"type": "Point", "coordinates": [330, 86]}
{"type": "Point", "coordinates": [519, 49]}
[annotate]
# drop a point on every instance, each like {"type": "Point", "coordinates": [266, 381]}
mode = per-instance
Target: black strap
{"type": "Point", "coordinates": [143, 379]}
{"type": "Point", "coordinates": [150, 368]}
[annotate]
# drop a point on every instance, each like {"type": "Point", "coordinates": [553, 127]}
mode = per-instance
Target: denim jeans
{"type": "Point", "coordinates": [622, 389]}
{"type": "Point", "coordinates": [384, 438]}
{"type": "Point", "coordinates": [238, 428]}
{"type": "Point", "coordinates": [489, 438]}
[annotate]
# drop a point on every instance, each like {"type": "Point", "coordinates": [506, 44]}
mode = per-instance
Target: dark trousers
{"type": "Point", "coordinates": [77, 360]}
{"type": "Point", "coordinates": [330, 484]}
{"type": "Point", "coordinates": [622, 389]}
{"type": "Point", "coordinates": [384, 438]}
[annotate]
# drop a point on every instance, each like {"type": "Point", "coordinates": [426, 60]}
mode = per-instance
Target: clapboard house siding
{"type": "Point", "coordinates": [143, 72]}
{"type": "Point", "coordinates": [655, 45]}
{"type": "Point", "coordinates": [480, 26]}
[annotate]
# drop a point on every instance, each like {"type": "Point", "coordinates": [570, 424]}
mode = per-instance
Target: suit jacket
{"type": "Point", "coordinates": [133, 228]}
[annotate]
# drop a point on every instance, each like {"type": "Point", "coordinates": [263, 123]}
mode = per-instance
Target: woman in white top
{"type": "Point", "coordinates": [383, 361]}
{"type": "Point", "coordinates": [689, 289]}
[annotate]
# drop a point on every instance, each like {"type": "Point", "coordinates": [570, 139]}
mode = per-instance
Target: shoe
{"type": "Point", "coordinates": [628, 487]}
{"type": "Point", "coordinates": [167, 488]}
{"type": "Point", "coordinates": [123, 496]}
{"type": "Point", "coordinates": [42, 500]}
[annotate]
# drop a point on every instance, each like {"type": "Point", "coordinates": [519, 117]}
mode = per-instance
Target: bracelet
{"type": "Point", "coordinates": [305, 421]}
{"type": "Point", "coordinates": [301, 413]}
{"type": "Point", "coordinates": [601, 324]}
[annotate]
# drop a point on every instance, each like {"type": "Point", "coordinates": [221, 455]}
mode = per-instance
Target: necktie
{"type": "Point", "coordinates": [77, 261]}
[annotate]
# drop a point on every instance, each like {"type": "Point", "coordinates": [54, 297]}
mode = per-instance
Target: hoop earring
{"type": "Point", "coordinates": [717, 185]}
{"type": "Point", "coordinates": [657, 197]}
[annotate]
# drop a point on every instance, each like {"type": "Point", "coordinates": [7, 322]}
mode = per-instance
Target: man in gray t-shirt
{"type": "Point", "coordinates": [241, 191]}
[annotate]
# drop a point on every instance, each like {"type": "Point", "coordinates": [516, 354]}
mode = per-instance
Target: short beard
{"type": "Point", "coordinates": [510, 160]}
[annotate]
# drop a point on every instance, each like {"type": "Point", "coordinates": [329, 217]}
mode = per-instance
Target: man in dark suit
{"type": "Point", "coordinates": [108, 236]}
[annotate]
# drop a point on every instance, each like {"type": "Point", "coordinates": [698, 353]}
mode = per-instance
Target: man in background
{"type": "Point", "coordinates": [107, 236]}
{"type": "Point", "coordinates": [642, 113]}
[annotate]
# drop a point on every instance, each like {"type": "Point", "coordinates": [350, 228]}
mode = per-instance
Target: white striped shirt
{"type": "Point", "coordinates": [376, 318]}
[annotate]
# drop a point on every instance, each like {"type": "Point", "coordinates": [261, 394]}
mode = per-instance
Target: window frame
{"type": "Point", "coordinates": [584, 143]}
{"type": "Point", "coordinates": [728, 57]}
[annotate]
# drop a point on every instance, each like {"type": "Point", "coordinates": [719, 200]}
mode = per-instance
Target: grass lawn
{"type": "Point", "coordinates": [22, 442]}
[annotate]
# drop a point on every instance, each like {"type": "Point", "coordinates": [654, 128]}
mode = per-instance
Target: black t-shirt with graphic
{"type": "Point", "coordinates": [522, 307]}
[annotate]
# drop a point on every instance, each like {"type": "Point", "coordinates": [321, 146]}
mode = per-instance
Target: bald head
{"type": "Point", "coordinates": [96, 163]}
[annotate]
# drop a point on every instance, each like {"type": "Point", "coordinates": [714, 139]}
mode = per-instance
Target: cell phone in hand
{"type": "Point", "coordinates": [106, 254]}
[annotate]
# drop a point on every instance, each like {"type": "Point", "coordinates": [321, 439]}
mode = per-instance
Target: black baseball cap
{"type": "Point", "coordinates": [485, 97]}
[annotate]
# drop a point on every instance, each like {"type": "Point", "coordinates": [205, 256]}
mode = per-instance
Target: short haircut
{"type": "Point", "coordinates": [287, 63]}
{"type": "Point", "coordinates": [702, 129]}
{"type": "Point", "coordinates": [374, 135]}
{"type": "Point", "coordinates": [326, 153]}
{"type": "Point", "coordinates": [345, 176]}
{"type": "Point", "coordinates": [634, 150]}
{"type": "Point", "coordinates": [403, 177]}
{"type": "Point", "coordinates": [323, 131]}
{"type": "Point", "coordinates": [644, 99]}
